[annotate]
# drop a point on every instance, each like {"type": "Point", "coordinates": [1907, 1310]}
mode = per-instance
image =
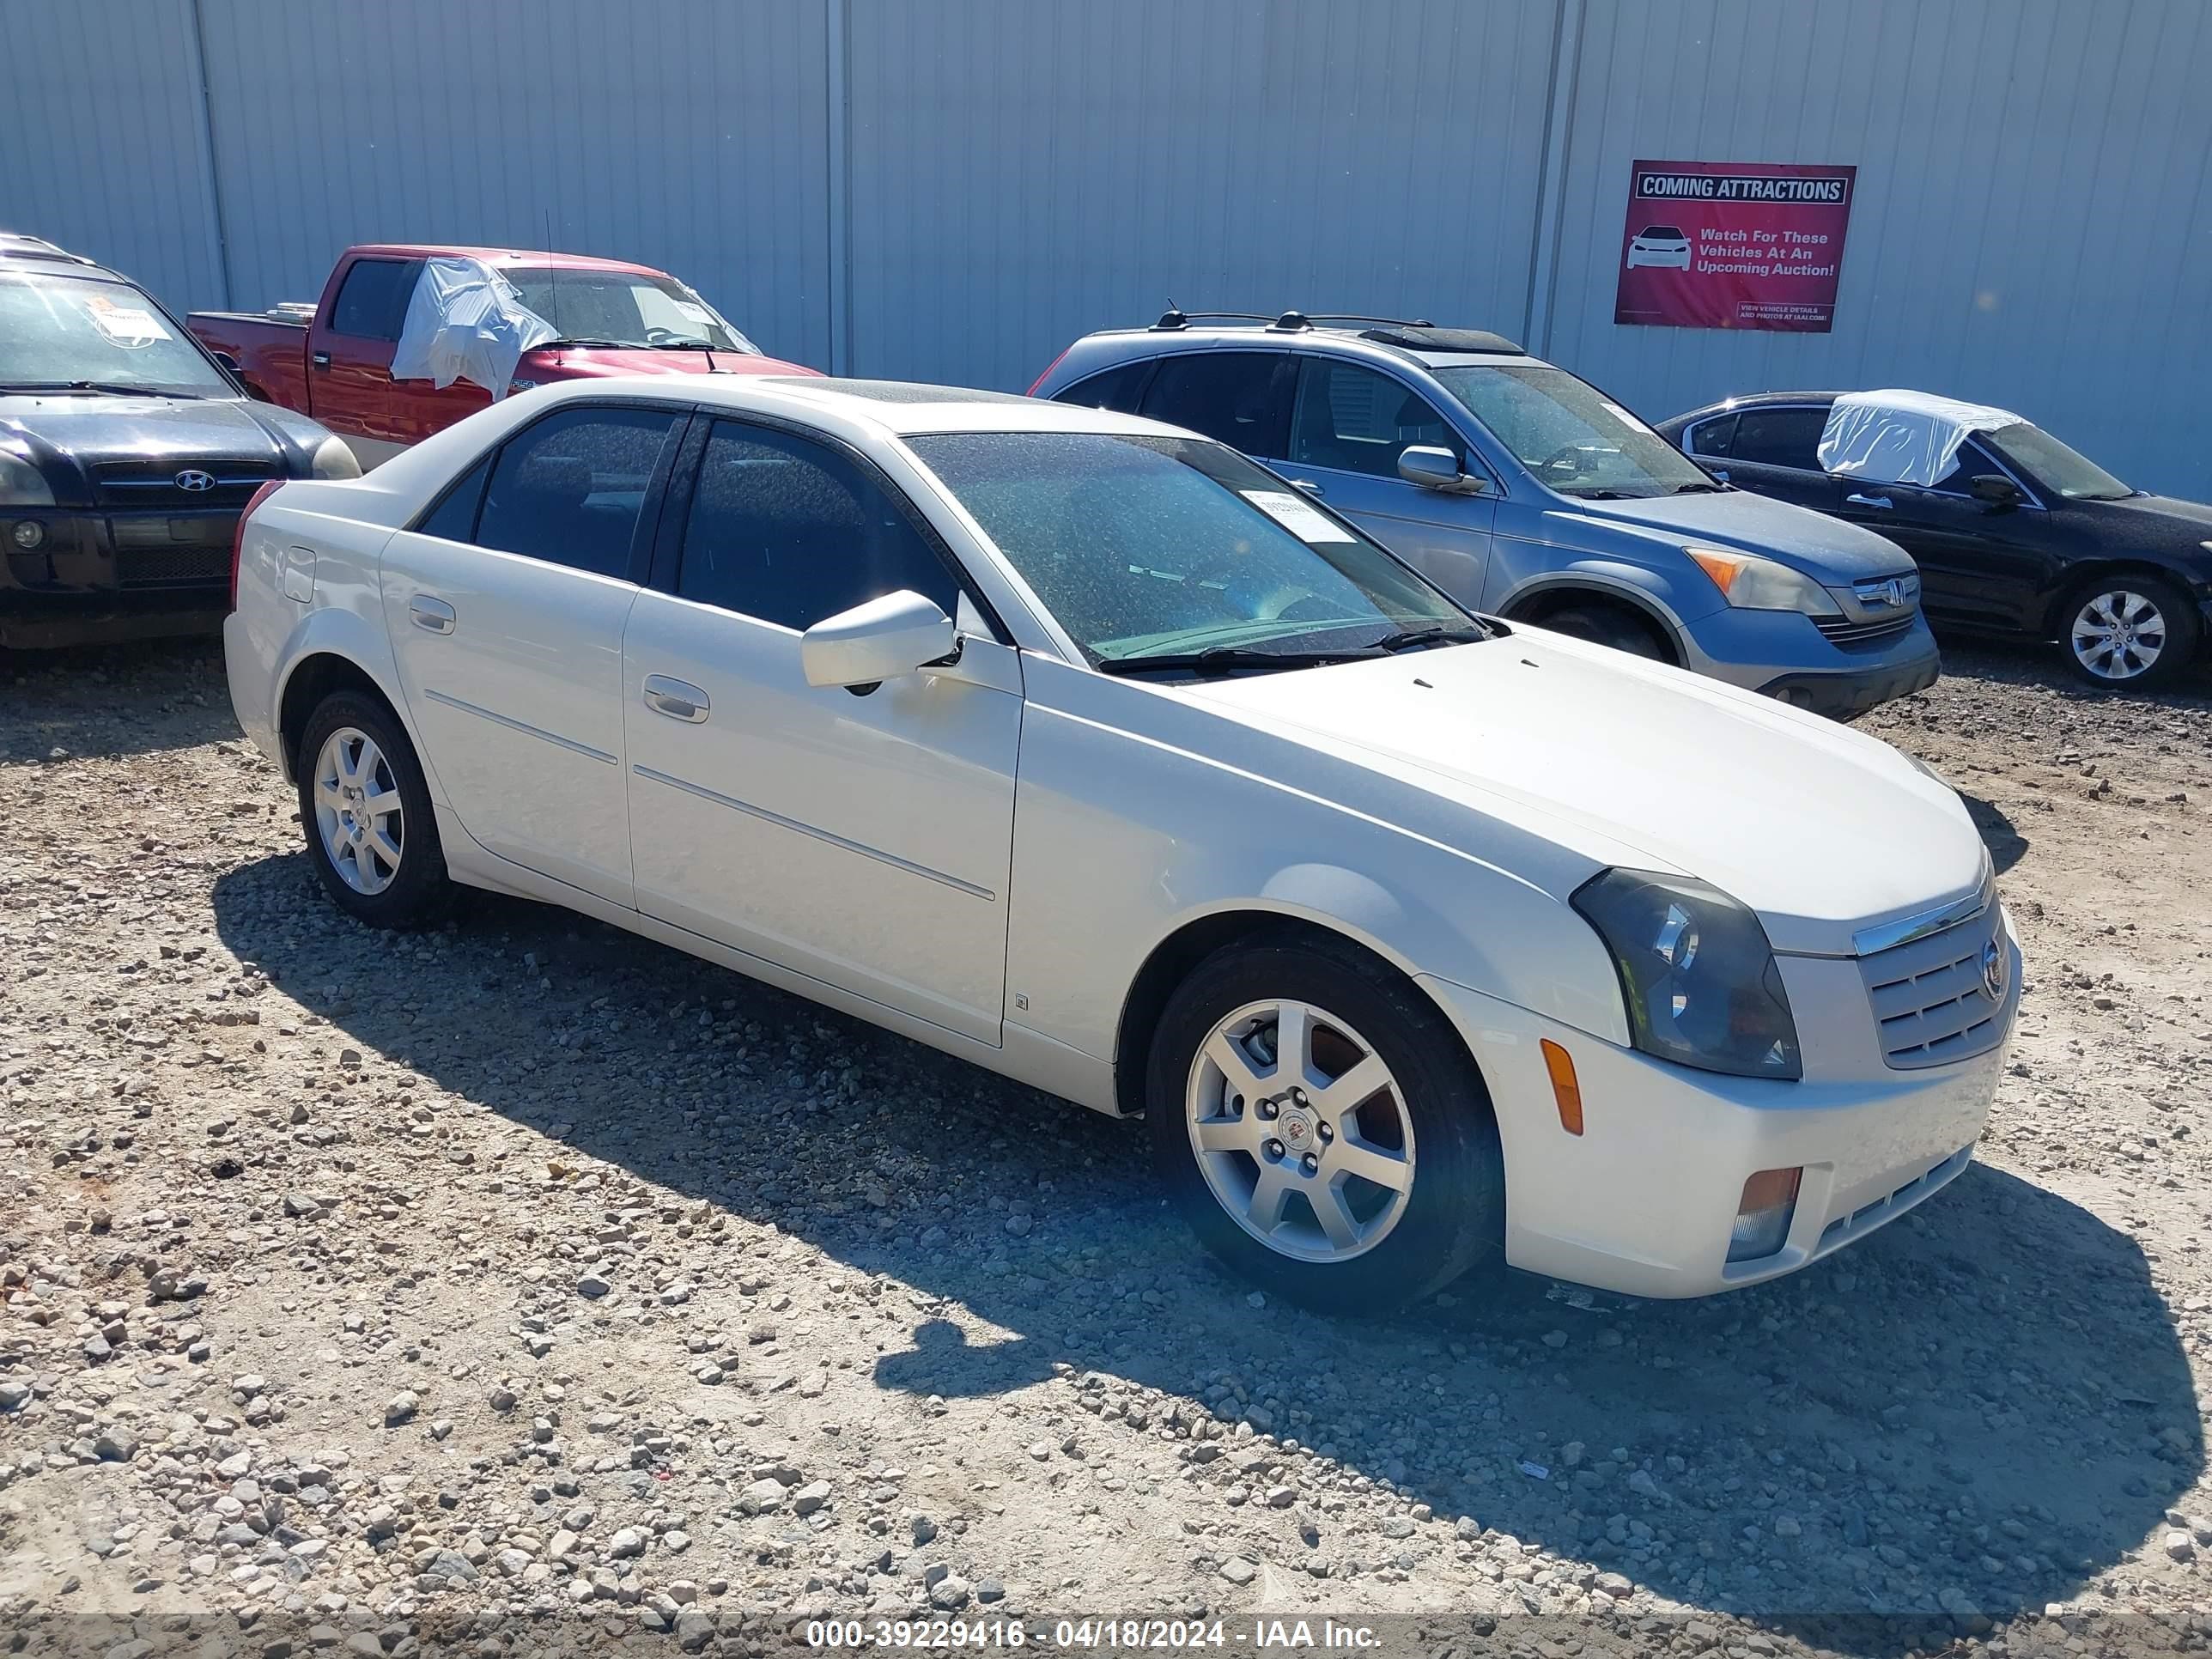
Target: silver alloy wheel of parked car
{"type": "Point", "coordinates": [357, 811]}
{"type": "Point", "coordinates": [1297, 1127]}
{"type": "Point", "coordinates": [2117, 634]}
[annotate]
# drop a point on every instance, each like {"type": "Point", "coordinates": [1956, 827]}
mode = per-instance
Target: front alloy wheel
{"type": "Point", "coordinates": [1321, 1126]}
{"type": "Point", "coordinates": [1298, 1129]}
{"type": "Point", "coordinates": [2132, 631]}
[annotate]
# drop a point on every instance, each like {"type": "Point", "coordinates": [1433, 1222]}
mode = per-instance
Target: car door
{"type": "Point", "coordinates": [505, 607]}
{"type": "Point", "coordinates": [350, 388]}
{"type": "Point", "coordinates": [1769, 449]}
{"type": "Point", "coordinates": [1981, 565]}
{"type": "Point", "coordinates": [863, 837]}
{"type": "Point", "coordinates": [1349, 424]}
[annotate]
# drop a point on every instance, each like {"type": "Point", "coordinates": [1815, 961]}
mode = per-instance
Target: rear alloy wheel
{"type": "Point", "coordinates": [1321, 1129]}
{"type": "Point", "coordinates": [366, 813]}
{"type": "Point", "coordinates": [1609, 624]}
{"type": "Point", "coordinates": [2132, 631]}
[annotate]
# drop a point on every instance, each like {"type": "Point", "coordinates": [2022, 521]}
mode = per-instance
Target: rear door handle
{"type": "Point", "coordinates": [434, 614]}
{"type": "Point", "coordinates": [678, 699]}
{"type": "Point", "coordinates": [1857, 499]}
{"type": "Point", "coordinates": [1308, 486]}
{"type": "Point", "coordinates": [320, 359]}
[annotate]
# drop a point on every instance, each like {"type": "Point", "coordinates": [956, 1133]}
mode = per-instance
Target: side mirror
{"type": "Point", "coordinates": [879, 641]}
{"type": "Point", "coordinates": [228, 362]}
{"type": "Point", "coordinates": [1994, 490]}
{"type": "Point", "coordinates": [1433, 467]}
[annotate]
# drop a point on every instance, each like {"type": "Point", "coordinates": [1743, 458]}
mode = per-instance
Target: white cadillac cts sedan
{"type": "Point", "coordinates": [1087, 750]}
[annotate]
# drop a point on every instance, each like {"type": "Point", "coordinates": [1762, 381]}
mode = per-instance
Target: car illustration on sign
{"type": "Point", "coordinates": [1662, 245]}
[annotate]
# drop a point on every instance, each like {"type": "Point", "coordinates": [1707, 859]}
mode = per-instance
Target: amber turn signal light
{"type": "Point", "coordinates": [1559, 1065]}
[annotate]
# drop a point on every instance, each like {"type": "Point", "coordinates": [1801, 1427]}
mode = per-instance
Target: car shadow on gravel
{"type": "Point", "coordinates": [1970, 1414]}
{"type": "Point", "coordinates": [113, 700]}
{"type": "Point", "coordinates": [2006, 844]}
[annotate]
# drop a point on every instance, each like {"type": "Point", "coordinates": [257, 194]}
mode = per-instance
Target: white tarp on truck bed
{"type": "Point", "coordinates": [465, 322]}
{"type": "Point", "coordinates": [1902, 437]}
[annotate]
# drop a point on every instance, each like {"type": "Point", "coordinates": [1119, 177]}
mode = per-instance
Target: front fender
{"type": "Point", "coordinates": [1529, 571]}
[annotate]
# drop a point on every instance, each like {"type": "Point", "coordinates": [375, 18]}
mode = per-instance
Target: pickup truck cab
{"type": "Point", "coordinates": [335, 364]}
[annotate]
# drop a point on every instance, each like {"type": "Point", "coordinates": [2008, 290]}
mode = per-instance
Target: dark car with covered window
{"type": "Point", "coordinates": [127, 455]}
{"type": "Point", "coordinates": [2015, 532]}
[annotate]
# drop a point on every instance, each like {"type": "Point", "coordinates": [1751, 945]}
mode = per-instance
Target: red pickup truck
{"type": "Point", "coordinates": [334, 363]}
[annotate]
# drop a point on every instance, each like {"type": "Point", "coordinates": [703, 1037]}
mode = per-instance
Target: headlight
{"type": "Point", "coordinates": [22, 484]}
{"type": "Point", "coordinates": [1750, 583]}
{"type": "Point", "coordinates": [334, 458]}
{"type": "Point", "coordinates": [1696, 971]}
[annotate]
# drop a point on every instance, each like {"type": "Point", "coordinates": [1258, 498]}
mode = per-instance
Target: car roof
{"type": "Point", "coordinates": [1421, 343]}
{"type": "Point", "coordinates": [896, 407]}
{"type": "Point", "coordinates": [1749, 400]}
{"type": "Point", "coordinates": [500, 256]}
{"type": "Point", "coordinates": [17, 247]}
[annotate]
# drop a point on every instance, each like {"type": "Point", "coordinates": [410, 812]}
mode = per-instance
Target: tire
{"type": "Point", "coordinates": [1609, 624]}
{"type": "Point", "coordinates": [2128, 632]}
{"type": "Point", "coordinates": [1405, 1242]}
{"type": "Point", "coordinates": [361, 873]}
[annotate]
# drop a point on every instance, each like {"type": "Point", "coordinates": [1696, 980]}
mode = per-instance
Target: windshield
{"type": "Point", "coordinates": [2068, 471]}
{"type": "Point", "coordinates": [56, 331]}
{"type": "Point", "coordinates": [1574, 438]}
{"type": "Point", "coordinates": [1145, 547]}
{"type": "Point", "coordinates": [623, 308]}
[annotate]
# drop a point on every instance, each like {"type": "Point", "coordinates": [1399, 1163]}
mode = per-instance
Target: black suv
{"type": "Point", "coordinates": [2022, 537]}
{"type": "Point", "coordinates": [126, 453]}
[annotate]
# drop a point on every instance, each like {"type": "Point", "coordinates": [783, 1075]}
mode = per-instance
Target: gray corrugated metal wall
{"type": "Point", "coordinates": [952, 189]}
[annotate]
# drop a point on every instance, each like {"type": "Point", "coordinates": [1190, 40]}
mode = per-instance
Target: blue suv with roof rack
{"type": "Point", "coordinates": [1528, 494]}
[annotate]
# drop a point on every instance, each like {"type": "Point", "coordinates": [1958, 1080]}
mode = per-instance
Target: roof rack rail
{"type": "Point", "coordinates": [1296, 320]}
{"type": "Point", "coordinates": [1173, 317]}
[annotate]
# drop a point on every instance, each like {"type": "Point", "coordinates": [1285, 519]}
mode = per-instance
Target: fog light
{"type": "Point", "coordinates": [1762, 1220]}
{"type": "Point", "coordinates": [28, 534]}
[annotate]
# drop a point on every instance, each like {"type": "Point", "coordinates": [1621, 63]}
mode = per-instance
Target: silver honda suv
{"type": "Point", "coordinates": [1527, 493]}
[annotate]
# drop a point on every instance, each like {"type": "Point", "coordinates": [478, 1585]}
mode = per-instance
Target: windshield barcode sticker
{"type": "Point", "coordinates": [1296, 515]}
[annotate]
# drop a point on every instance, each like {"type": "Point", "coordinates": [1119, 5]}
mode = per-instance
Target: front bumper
{"type": "Point", "coordinates": [1783, 655]}
{"type": "Point", "coordinates": [102, 575]}
{"type": "Point", "coordinates": [1641, 1201]}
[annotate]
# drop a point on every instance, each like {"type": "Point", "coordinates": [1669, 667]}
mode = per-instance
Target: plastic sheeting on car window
{"type": "Point", "coordinates": [1902, 437]}
{"type": "Point", "coordinates": [465, 322]}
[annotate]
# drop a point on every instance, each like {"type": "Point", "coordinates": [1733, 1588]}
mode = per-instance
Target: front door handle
{"type": "Point", "coordinates": [1857, 499]}
{"type": "Point", "coordinates": [1308, 486]}
{"type": "Point", "coordinates": [678, 699]}
{"type": "Point", "coordinates": [435, 615]}
{"type": "Point", "coordinates": [320, 359]}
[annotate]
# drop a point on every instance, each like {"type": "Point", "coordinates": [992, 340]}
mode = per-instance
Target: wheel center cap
{"type": "Point", "coordinates": [1296, 1128]}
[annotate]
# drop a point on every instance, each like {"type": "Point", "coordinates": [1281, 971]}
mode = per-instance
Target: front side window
{"type": "Point", "coordinates": [1354, 419]}
{"type": "Point", "coordinates": [1572, 437]}
{"type": "Point", "coordinates": [624, 308]}
{"type": "Point", "coordinates": [1780, 437]}
{"type": "Point", "coordinates": [792, 532]}
{"type": "Point", "coordinates": [61, 333]}
{"type": "Point", "coordinates": [2066, 469]}
{"type": "Point", "coordinates": [372, 302]}
{"type": "Point", "coordinates": [1143, 546]}
{"type": "Point", "coordinates": [1241, 397]}
{"type": "Point", "coordinates": [570, 490]}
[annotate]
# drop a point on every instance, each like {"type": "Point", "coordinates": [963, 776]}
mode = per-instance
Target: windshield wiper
{"type": "Point", "coordinates": [1442, 634]}
{"type": "Point", "coordinates": [1700, 489]}
{"type": "Point", "coordinates": [1596, 494]}
{"type": "Point", "coordinates": [113, 388]}
{"type": "Point", "coordinates": [1226, 659]}
{"type": "Point", "coordinates": [617, 345]}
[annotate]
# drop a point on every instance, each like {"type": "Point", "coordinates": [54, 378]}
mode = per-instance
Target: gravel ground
{"type": "Point", "coordinates": [526, 1278]}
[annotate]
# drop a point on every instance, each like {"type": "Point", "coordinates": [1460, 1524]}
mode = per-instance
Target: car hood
{"type": "Point", "coordinates": [69, 433]}
{"type": "Point", "coordinates": [1820, 830]}
{"type": "Point", "coordinates": [1830, 552]}
{"type": "Point", "coordinates": [2192, 520]}
{"type": "Point", "coordinates": [580, 362]}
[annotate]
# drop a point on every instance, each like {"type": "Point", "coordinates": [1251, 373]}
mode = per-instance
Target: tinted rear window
{"type": "Point", "coordinates": [1780, 437]}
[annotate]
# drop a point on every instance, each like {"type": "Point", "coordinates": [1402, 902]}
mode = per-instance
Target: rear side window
{"type": "Point", "coordinates": [372, 302]}
{"type": "Point", "coordinates": [1712, 437]}
{"type": "Point", "coordinates": [570, 490]}
{"type": "Point", "coordinates": [454, 518]}
{"type": "Point", "coordinates": [1354, 419]}
{"type": "Point", "coordinates": [1241, 397]}
{"type": "Point", "coordinates": [1117, 389]}
{"type": "Point", "coordinates": [1779, 437]}
{"type": "Point", "coordinates": [791, 531]}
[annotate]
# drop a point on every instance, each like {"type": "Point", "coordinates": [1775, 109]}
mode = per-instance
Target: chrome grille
{"type": "Point", "coordinates": [129, 484]}
{"type": "Point", "coordinates": [1843, 631]}
{"type": "Point", "coordinates": [1929, 1002]}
